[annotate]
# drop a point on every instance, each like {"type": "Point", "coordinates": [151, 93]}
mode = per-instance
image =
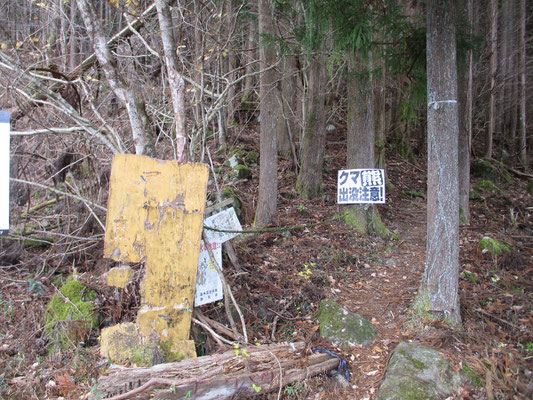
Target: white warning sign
{"type": "Point", "coordinates": [360, 186]}
{"type": "Point", "coordinates": [208, 283]}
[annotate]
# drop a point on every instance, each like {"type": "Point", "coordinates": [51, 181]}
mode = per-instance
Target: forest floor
{"type": "Point", "coordinates": [375, 277]}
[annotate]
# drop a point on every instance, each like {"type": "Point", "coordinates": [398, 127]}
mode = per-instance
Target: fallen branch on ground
{"type": "Point", "coordinates": [237, 373]}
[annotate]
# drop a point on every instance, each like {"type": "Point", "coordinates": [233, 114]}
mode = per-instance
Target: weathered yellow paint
{"type": "Point", "coordinates": [155, 213]}
{"type": "Point", "coordinates": [119, 342]}
{"type": "Point", "coordinates": [124, 342]}
{"type": "Point", "coordinates": [184, 349]}
{"type": "Point", "coordinates": [119, 276]}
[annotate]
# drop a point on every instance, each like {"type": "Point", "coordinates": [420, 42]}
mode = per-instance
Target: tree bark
{"type": "Point", "coordinates": [492, 76]}
{"type": "Point", "coordinates": [380, 116]}
{"type": "Point", "coordinates": [504, 61]}
{"type": "Point", "coordinates": [286, 120]}
{"type": "Point", "coordinates": [522, 107]}
{"type": "Point", "coordinates": [438, 296]}
{"type": "Point", "coordinates": [361, 142]}
{"type": "Point", "coordinates": [232, 64]}
{"type": "Point", "coordinates": [465, 126]}
{"type": "Point", "coordinates": [250, 57]}
{"type": "Point", "coordinates": [177, 84]}
{"type": "Point", "coordinates": [269, 108]}
{"type": "Point", "coordinates": [309, 183]}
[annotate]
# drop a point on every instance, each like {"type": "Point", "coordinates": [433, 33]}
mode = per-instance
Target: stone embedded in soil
{"type": "Point", "coordinates": [416, 372]}
{"type": "Point", "coordinates": [342, 326]}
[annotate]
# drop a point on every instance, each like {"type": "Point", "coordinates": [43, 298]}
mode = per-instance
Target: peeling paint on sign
{"type": "Point", "coordinates": [155, 214]}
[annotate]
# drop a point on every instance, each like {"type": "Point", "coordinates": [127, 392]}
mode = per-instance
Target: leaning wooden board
{"type": "Point", "coordinates": [155, 214]}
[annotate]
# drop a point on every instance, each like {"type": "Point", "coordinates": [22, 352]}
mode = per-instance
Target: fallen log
{"type": "Point", "coordinates": [237, 373]}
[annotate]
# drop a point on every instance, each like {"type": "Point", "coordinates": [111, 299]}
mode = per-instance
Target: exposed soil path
{"type": "Point", "coordinates": [383, 295]}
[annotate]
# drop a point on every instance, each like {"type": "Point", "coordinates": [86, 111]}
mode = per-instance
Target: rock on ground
{"type": "Point", "coordinates": [342, 326]}
{"type": "Point", "coordinates": [418, 372]}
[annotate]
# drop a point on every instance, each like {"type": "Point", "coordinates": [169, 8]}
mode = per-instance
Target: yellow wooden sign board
{"type": "Point", "coordinates": [155, 214]}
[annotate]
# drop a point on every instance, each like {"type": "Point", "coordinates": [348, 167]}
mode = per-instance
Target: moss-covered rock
{"type": "Point", "coordinates": [70, 316]}
{"type": "Point", "coordinates": [418, 372]}
{"type": "Point", "coordinates": [486, 186]}
{"type": "Point", "coordinates": [493, 246]}
{"type": "Point", "coordinates": [252, 158]}
{"type": "Point", "coordinates": [484, 169]}
{"type": "Point", "coordinates": [492, 171]}
{"type": "Point", "coordinates": [242, 172]}
{"type": "Point", "coordinates": [342, 326]}
{"type": "Point", "coordinates": [229, 192]}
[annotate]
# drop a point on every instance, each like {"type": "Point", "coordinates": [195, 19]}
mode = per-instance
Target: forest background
{"type": "Point", "coordinates": [293, 88]}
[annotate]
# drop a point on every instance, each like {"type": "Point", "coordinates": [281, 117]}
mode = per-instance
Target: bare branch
{"type": "Point", "coordinates": [57, 131]}
{"type": "Point", "coordinates": [60, 192]}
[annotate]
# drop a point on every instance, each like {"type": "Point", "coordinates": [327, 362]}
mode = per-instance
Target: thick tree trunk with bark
{"type": "Point", "coordinates": [269, 108]}
{"type": "Point", "coordinates": [380, 117]}
{"type": "Point", "coordinates": [522, 107]}
{"type": "Point", "coordinates": [287, 118]}
{"type": "Point", "coordinates": [465, 125]}
{"type": "Point", "coordinates": [360, 143]}
{"type": "Point", "coordinates": [492, 76]}
{"type": "Point", "coordinates": [438, 297]}
{"type": "Point", "coordinates": [309, 183]}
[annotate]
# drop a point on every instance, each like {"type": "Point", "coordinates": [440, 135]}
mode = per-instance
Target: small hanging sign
{"type": "Point", "coordinates": [224, 220]}
{"type": "Point", "coordinates": [360, 186]}
{"type": "Point", "coordinates": [208, 283]}
{"type": "Point", "coordinates": [5, 130]}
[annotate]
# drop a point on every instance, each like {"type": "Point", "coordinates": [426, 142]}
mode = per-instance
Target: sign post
{"type": "Point", "coordinates": [4, 172]}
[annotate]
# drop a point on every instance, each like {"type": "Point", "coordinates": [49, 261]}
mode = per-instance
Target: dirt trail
{"type": "Point", "coordinates": [383, 293]}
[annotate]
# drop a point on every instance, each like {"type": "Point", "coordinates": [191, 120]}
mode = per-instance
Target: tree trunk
{"type": "Point", "coordinates": [438, 296]}
{"type": "Point", "coordinates": [250, 58]}
{"type": "Point", "coordinates": [176, 82]}
{"type": "Point", "coordinates": [380, 115]}
{"type": "Point", "coordinates": [286, 123]}
{"type": "Point", "coordinates": [74, 52]}
{"type": "Point", "coordinates": [360, 143]}
{"type": "Point", "coordinates": [492, 76]}
{"type": "Point", "coordinates": [232, 64]}
{"type": "Point", "coordinates": [522, 108]}
{"type": "Point", "coordinates": [269, 108]}
{"type": "Point", "coordinates": [465, 126]}
{"type": "Point", "coordinates": [125, 93]}
{"type": "Point", "coordinates": [309, 183]}
{"type": "Point", "coordinates": [504, 61]}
